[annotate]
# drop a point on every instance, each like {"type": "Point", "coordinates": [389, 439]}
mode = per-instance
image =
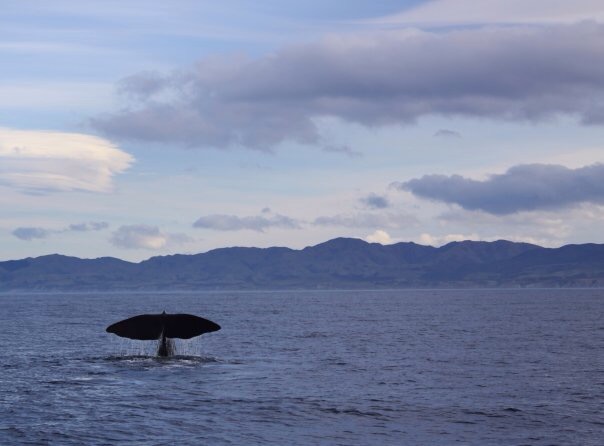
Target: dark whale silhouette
{"type": "Point", "coordinates": [162, 327]}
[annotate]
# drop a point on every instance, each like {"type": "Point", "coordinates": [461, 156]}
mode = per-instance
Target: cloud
{"type": "Point", "coordinates": [525, 187]}
{"type": "Point", "coordinates": [342, 149]}
{"type": "Point", "coordinates": [379, 236]}
{"type": "Point", "coordinates": [471, 12]}
{"type": "Point", "coordinates": [542, 227]}
{"type": "Point", "coordinates": [366, 220]}
{"type": "Point", "coordinates": [374, 201]}
{"type": "Point", "coordinates": [145, 237]}
{"type": "Point", "coordinates": [31, 233]}
{"type": "Point", "coordinates": [440, 240]}
{"type": "Point", "coordinates": [45, 161]}
{"type": "Point", "coordinates": [522, 73]}
{"type": "Point", "coordinates": [432, 240]}
{"type": "Point", "coordinates": [444, 133]}
{"type": "Point", "coordinates": [90, 226]}
{"type": "Point", "coordinates": [142, 85]}
{"type": "Point", "coordinates": [222, 222]}
{"type": "Point", "coordinates": [261, 223]}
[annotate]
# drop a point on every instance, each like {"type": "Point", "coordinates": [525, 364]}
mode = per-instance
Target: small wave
{"type": "Point", "coordinates": [12, 431]}
{"type": "Point", "coordinates": [354, 412]}
{"type": "Point", "coordinates": [483, 414]}
{"type": "Point", "coordinates": [69, 382]}
{"type": "Point", "coordinates": [161, 359]}
{"type": "Point", "coordinates": [314, 334]}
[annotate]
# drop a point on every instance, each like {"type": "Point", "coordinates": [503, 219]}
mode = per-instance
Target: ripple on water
{"type": "Point", "coordinates": [438, 368]}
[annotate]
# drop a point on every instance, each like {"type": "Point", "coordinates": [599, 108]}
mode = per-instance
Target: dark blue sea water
{"type": "Point", "coordinates": [523, 367]}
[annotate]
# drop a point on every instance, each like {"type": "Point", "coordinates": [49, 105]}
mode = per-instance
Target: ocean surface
{"type": "Point", "coordinates": [406, 367]}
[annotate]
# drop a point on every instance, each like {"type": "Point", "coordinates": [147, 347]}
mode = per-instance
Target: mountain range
{"type": "Point", "coordinates": [341, 263]}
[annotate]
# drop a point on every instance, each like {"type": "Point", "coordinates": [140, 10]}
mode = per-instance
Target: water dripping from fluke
{"type": "Point", "coordinates": [163, 328]}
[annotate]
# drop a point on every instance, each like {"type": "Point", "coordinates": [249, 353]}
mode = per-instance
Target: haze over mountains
{"type": "Point", "coordinates": [336, 264]}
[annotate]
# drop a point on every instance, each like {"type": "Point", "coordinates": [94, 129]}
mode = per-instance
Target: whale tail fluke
{"type": "Point", "coordinates": [147, 327]}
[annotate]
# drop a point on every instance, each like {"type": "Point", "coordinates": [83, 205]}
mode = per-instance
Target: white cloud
{"type": "Point", "coordinates": [538, 239]}
{"type": "Point", "coordinates": [379, 236]}
{"type": "Point", "coordinates": [433, 240]}
{"type": "Point", "coordinates": [466, 12]}
{"type": "Point", "coordinates": [48, 161]}
{"type": "Point", "coordinates": [145, 237]}
{"type": "Point", "coordinates": [580, 224]}
{"type": "Point", "coordinates": [544, 228]}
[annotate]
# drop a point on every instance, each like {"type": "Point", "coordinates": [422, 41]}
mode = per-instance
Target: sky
{"type": "Point", "coordinates": [143, 128]}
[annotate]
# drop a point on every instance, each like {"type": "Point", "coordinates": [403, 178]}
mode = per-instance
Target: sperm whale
{"type": "Point", "coordinates": [163, 327]}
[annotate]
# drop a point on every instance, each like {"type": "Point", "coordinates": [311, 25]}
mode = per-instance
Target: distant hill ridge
{"type": "Point", "coordinates": [341, 263]}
